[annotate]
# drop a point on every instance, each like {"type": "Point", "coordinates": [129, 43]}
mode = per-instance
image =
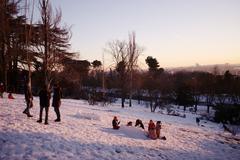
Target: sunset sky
{"type": "Point", "coordinates": [176, 32]}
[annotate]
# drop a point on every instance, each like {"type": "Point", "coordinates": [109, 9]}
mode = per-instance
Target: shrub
{"type": "Point", "coordinates": [227, 113]}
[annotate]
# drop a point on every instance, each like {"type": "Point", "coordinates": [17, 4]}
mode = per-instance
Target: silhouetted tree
{"type": "Point", "coordinates": [125, 56]}
{"type": "Point", "coordinates": [10, 21]}
{"type": "Point", "coordinates": [53, 40]}
{"type": "Point", "coordinates": [96, 63]}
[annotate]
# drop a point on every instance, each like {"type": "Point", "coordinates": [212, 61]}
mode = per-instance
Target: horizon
{"type": "Point", "coordinates": [177, 34]}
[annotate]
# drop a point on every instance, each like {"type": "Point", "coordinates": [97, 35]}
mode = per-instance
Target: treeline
{"type": "Point", "coordinates": [162, 89]}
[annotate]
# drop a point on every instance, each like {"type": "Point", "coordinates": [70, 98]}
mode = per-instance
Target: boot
{"type": "Point", "coordinates": [57, 120]}
{"type": "Point", "coordinates": [39, 121]}
{"type": "Point", "coordinates": [29, 115]}
{"type": "Point", "coordinates": [25, 111]}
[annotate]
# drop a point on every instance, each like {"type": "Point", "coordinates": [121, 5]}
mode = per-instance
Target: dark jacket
{"type": "Point", "coordinates": [27, 93]}
{"type": "Point", "coordinates": [44, 96]}
{"type": "Point", "coordinates": [139, 123]}
{"type": "Point", "coordinates": [115, 123]}
{"type": "Point", "coordinates": [57, 95]}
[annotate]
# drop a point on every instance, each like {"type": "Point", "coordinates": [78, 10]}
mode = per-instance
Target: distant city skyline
{"type": "Point", "coordinates": [177, 33]}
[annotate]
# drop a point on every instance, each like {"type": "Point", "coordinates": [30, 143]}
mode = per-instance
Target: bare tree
{"type": "Point", "coordinates": [133, 53]}
{"type": "Point", "coordinates": [125, 56]}
{"type": "Point", "coordinates": [28, 33]}
{"type": "Point", "coordinates": [54, 42]}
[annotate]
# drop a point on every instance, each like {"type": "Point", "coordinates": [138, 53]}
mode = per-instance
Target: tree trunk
{"type": "Point", "coordinates": [139, 101]}
{"type": "Point", "coordinates": [151, 104]}
{"type": "Point", "coordinates": [4, 65]}
{"type": "Point", "coordinates": [123, 100]}
{"type": "Point", "coordinates": [130, 100]}
{"type": "Point", "coordinates": [15, 74]}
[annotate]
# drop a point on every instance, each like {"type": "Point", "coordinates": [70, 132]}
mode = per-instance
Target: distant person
{"type": "Point", "coordinates": [10, 96]}
{"type": "Point", "coordinates": [28, 99]}
{"type": "Point", "coordinates": [115, 123]}
{"type": "Point", "coordinates": [198, 121]}
{"type": "Point", "coordinates": [139, 123]}
{"type": "Point", "coordinates": [158, 128]}
{"type": "Point", "coordinates": [129, 123]}
{"type": "Point", "coordinates": [44, 96]}
{"type": "Point", "coordinates": [152, 130]}
{"type": "Point", "coordinates": [57, 95]}
{"type": "Point", "coordinates": [1, 90]}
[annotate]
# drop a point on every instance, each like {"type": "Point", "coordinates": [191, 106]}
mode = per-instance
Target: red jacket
{"type": "Point", "coordinates": [151, 126]}
{"type": "Point", "coordinates": [10, 96]}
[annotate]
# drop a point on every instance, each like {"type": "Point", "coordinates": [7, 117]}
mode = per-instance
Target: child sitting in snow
{"type": "Point", "coordinates": [158, 128]}
{"type": "Point", "coordinates": [129, 123]}
{"type": "Point", "coordinates": [152, 130]}
{"type": "Point", "coordinates": [115, 123]}
{"type": "Point", "coordinates": [139, 123]}
{"type": "Point", "coordinates": [10, 96]}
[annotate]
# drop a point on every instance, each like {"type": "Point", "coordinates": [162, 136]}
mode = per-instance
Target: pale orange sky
{"type": "Point", "coordinates": [176, 32]}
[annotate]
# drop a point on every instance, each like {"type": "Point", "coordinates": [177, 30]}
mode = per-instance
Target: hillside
{"type": "Point", "coordinates": [85, 133]}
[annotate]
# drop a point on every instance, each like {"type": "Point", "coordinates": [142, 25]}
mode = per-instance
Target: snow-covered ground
{"type": "Point", "coordinates": [86, 133]}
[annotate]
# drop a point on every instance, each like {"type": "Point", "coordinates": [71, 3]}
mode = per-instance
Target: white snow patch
{"type": "Point", "coordinates": [86, 115]}
{"type": "Point", "coordinates": [86, 133]}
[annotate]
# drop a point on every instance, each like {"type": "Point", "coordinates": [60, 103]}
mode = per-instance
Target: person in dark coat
{"type": "Point", "coordinates": [197, 120]}
{"type": "Point", "coordinates": [57, 95]}
{"type": "Point", "coordinates": [28, 99]}
{"type": "Point", "coordinates": [44, 96]}
{"type": "Point", "coordinates": [115, 123]}
{"type": "Point", "coordinates": [139, 123]}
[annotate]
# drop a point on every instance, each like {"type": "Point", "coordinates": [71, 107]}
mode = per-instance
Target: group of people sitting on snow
{"type": "Point", "coordinates": [153, 130]}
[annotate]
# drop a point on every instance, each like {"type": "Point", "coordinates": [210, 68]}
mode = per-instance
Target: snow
{"type": "Point", "coordinates": [86, 133]}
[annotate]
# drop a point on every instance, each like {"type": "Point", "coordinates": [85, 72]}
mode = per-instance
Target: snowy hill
{"type": "Point", "coordinates": [86, 133]}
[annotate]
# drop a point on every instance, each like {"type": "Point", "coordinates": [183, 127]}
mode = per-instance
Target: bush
{"type": "Point", "coordinates": [227, 113]}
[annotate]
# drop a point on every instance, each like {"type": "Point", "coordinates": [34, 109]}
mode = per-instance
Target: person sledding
{"type": "Point", "coordinates": [115, 123]}
{"type": "Point", "coordinates": [152, 130]}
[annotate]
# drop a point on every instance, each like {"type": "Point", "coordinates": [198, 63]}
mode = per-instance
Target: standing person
{"type": "Point", "coordinates": [152, 130]}
{"type": "Point", "coordinates": [44, 96]}
{"type": "Point", "coordinates": [1, 90]}
{"type": "Point", "coordinates": [57, 95]}
{"type": "Point", "coordinates": [197, 121]}
{"type": "Point", "coordinates": [158, 128]}
{"type": "Point", "coordinates": [28, 99]}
